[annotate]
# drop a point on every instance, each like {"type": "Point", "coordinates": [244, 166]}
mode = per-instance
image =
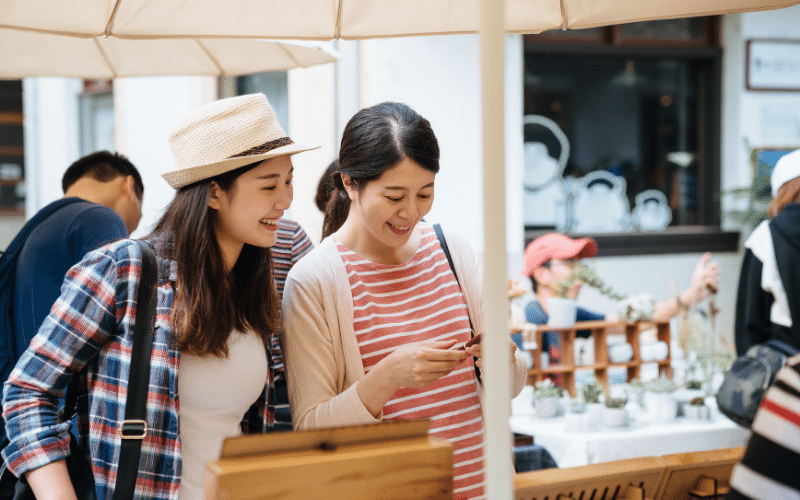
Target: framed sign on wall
{"type": "Point", "coordinates": [773, 64]}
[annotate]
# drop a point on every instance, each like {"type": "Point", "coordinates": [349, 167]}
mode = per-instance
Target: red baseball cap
{"type": "Point", "coordinates": [556, 246]}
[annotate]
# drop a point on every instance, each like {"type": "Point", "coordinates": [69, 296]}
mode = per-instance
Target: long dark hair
{"type": "Point", "coordinates": [375, 140]}
{"type": "Point", "coordinates": [211, 302]}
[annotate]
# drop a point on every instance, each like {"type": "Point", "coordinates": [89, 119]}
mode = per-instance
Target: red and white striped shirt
{"type": "Point", "coordinates": [420, 301]}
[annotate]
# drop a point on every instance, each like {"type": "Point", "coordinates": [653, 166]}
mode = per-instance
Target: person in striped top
{"type": "Point", "coordinates": [770, 468]}
{"type": "Point", "coordinates": [374, 318]}
{"type": "Point", "coordinates": [292, 244]}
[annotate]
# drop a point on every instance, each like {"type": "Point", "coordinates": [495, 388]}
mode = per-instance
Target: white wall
{"type": "Point", "coordinates": [146, 110]}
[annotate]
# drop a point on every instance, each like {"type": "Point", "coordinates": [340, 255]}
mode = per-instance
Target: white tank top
{"type": "Point", "coordinates": [215, 393]}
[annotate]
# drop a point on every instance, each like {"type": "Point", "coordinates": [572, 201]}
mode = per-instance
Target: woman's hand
{"type": "Point", "coordinates": [412, 365]}
{"type": "Point", "coordinates": [475, 350]}
{"type": "Point", "coordinates": [705, 280]}
{"type": "Point", "coordinates": [417, 365]}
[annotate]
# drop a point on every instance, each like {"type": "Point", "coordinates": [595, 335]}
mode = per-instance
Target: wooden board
{"type": "Point", "coordinates": [668, 477]}
{"type": "Point", "coordinates": [396, 460]}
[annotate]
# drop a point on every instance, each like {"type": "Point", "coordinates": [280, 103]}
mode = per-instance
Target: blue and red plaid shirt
{"type": "Point", "coordinates": [91, 326]}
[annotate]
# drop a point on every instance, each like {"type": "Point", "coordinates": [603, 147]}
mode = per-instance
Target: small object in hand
{"type": "Point", "coordinates": [711, 288]}
{"type": "Point", "coordinates": [474, 340]}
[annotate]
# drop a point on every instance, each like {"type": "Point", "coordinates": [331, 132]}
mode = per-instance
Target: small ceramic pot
{"type": "Point", "coordinates": [661, 406]}
{"type": "Point", "coordinates": [594, 415]}
{"type": "Point", "coordinates": [620, 353]}
{"type": "Point", "coordinates": [561, 312]}
{"type": "Point", "coordinates": [615, 417]}
{"type": "Point", "coordinates": [547, 407]}
{"type": "Point", "coordinates": [697, 412]}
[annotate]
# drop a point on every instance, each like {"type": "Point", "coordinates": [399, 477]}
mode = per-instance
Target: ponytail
{"type": "Point", "coordinates": [337, 209]}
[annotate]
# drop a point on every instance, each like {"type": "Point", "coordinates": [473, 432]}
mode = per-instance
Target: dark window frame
{"type": "Point", "coordinates": [680, 239]}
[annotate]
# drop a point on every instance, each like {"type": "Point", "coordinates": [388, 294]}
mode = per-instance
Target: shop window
{"type": "Point", "coordinates": [12, 149]}
{"type": "Point", "coordinates": [274, 85]}
{"type": "Point", "coordinates": [641, 127]}
{"type": "Point", "coordinates": [97, 117]}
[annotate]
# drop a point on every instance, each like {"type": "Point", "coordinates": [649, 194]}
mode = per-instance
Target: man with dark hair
{"type": "Point", "coordinates": [102, 202]}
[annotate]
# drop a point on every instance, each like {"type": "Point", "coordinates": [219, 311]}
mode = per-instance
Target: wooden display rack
{"type": "Point", "coordinates": [600, 330]}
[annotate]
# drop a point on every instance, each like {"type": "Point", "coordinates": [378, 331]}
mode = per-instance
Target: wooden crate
{"type": "Point", "coordinates": [396, 460]}
{"type": "Point", "coordinates": [600, 330]}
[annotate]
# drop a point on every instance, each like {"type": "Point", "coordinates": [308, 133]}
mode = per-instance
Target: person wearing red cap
{"type": "Point", "coordinates": [551, 257]}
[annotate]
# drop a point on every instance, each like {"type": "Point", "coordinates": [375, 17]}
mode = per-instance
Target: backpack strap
{"type": "Point", "coordinates": [440, 235]}
{"type": "Point", "coordinates": [134, 428]}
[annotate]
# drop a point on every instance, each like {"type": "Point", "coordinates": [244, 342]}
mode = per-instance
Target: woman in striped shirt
{"type": "Point", "coordinates": [374, 316]}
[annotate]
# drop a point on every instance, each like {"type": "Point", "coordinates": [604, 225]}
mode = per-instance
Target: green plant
{"type": "Point", "coordinates": [694, 384]}
{"type": "Point", "coordinates": [616, 402]}
{"type": "Point", "coordinates": [584, 273]}
{"type": "Point", "coordinates": [662, 385]}
{"type": "Point", "coordinates": [591, 391]}
{"type": "Point", "coordinates": [698, 401]}
{"type": "Point", "coordinates": [547, 389]}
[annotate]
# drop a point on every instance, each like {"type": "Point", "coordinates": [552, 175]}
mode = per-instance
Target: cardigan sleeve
{"type": "Point", "coordinates": [312, 348]}
{"type": "Point", "coordinates": [753, 303]}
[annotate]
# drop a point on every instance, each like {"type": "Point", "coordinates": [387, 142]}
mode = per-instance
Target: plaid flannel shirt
{"type": "Point", "coordinates": [91, 326]}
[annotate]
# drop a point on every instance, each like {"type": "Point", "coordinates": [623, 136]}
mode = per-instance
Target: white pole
{"type": "Point", "coordinates": [496, 377]}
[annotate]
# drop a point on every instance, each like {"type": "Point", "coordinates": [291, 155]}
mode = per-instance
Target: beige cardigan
{"type": "Point", "coordinates": [323, 362]}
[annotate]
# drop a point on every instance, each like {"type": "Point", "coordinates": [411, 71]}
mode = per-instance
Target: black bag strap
{"type": "Point", "coordinates": [134, 428]}
{"type": "Point", "coordinates": [440, 235]}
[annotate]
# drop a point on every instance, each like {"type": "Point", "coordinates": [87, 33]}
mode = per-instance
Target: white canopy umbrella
{"type": "Point", "coordinates": [359, 19]}
{"type": "Point", "coordinates": [347, 19]}
{"type": "Point", "coordinates": [27, 54]}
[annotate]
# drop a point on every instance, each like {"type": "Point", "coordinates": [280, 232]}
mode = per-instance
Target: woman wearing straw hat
{"type": "Point", "coordinates": [386, 344]}
{"type": "Point", "coordinates": [216, 309]}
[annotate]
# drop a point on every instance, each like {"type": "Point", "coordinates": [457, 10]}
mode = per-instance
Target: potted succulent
{"type": "Point", "coordinates": [577, 418]}
{"type": "Point", "coordinates": [591, 392]}
{"type": "Point", "coordinates": [636, 387]}
{"type": "Point", "coordinates": [691, 389]}
{"type": "Point", "coordinates": [547, 399]}
{"type": "Point", "coordinates": [659, 399]}
{"type": "Point", "coordinates": [697, 409]}
{"type": "Point", "coordinates": [615, 414]}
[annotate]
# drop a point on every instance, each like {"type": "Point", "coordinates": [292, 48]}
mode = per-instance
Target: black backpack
{"type": "Point", "coordinates": [748, 378]}
{"type": "Point", "coordinates": [9, 350]}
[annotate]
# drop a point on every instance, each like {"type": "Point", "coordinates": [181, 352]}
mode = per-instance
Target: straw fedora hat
{"type": "Point", "coordinates": [225, 135]}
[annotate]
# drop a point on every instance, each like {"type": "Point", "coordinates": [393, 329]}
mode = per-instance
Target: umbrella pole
{"type": "Point", "coordinates": [496, 378]}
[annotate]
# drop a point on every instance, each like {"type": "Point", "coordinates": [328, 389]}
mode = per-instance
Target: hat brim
{"type": "Point", "coordinates": [582, 248]}
{"type": "Point", "coordinates": [181, 178]}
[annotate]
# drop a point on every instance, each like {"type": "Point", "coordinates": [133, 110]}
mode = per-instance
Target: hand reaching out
{"type": "Point", "coordinates": [705, 279]}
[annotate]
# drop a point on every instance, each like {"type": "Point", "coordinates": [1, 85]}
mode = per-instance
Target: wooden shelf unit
{"type": "Point", "coordinates": [600, 330]}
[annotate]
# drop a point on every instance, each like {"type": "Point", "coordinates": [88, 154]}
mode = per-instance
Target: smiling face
{"type": "Point", "coordinates": [248, 212]}
{"type": "Point", "coordinates": [384, 213]}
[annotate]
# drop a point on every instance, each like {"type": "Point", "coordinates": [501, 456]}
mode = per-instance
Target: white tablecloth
{"type": "Point", "coordinates": [570, 449]}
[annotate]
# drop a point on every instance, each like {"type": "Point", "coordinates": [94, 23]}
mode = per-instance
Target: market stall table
{"type": "Point", "coordinates": [571, 448]}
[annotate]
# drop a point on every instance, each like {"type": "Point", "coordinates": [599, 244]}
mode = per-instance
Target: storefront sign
{"type": "Point", "coordinates": [773, 64]}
